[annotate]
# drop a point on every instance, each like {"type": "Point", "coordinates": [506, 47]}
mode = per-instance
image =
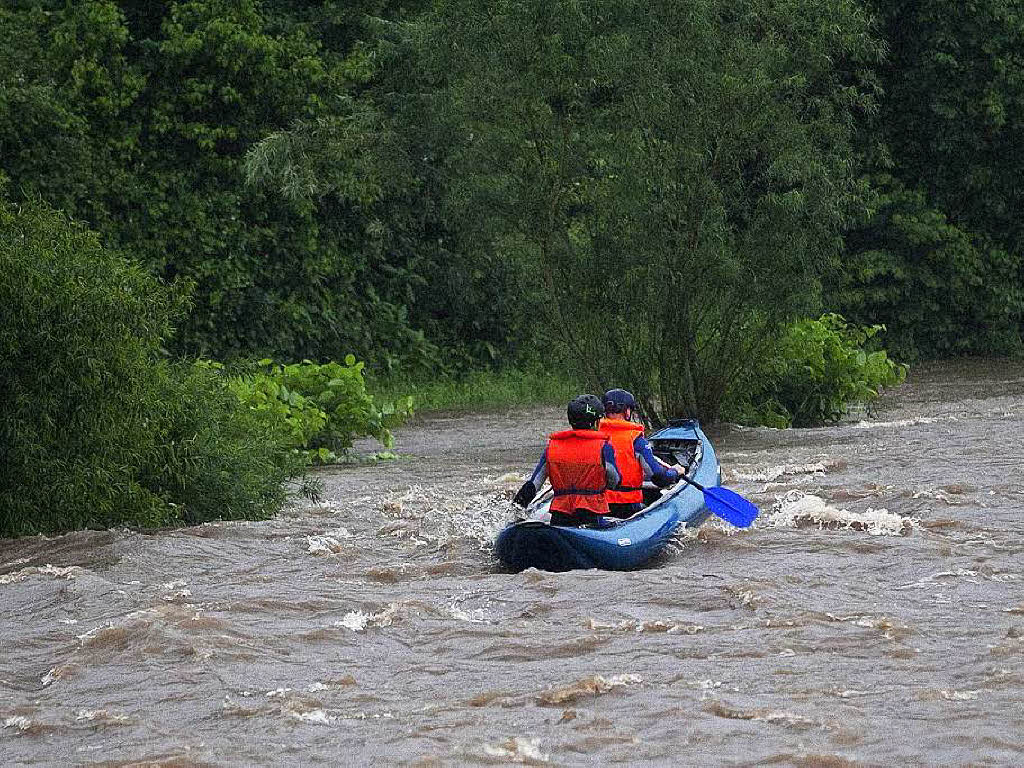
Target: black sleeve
{"type": "Point", "coordinates": [525, 494]}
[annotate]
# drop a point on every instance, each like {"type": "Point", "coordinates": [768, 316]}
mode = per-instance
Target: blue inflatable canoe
{"type": "Point", "coordinates": [620, 544]}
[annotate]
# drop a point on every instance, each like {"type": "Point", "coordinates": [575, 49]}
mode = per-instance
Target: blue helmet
{"type": "Point", "coordinates": [618, 400]}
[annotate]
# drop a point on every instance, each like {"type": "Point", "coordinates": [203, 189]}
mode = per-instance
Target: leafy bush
{"type": "Point", "coordinates": [814, 371]}
{"type": "Point", "coordinates": [323, 408]}
{"type": "Point", "coordinates": [98, 429]}
{"type": "Point", "coordinates": [215, 459]}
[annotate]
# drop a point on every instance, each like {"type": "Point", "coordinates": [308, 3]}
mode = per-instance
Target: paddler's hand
{"type": "Point", "coordinates": [671, 478]}
{"type": "Point", "coordinates": [525, 494]}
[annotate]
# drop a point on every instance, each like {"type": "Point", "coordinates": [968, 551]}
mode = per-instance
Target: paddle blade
{"type": "Point", "coordinates": [730, 506]}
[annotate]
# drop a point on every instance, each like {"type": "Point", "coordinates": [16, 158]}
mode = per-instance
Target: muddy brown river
{"type": "Point", "coordinates": [874, 615]}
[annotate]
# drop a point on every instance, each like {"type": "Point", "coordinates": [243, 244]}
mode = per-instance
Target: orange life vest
{"type": "Point", "coordinates": [622, 433]}
{"type": "Point", "coordinates": [576, 471]}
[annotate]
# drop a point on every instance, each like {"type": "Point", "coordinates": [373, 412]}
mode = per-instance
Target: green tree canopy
{"type": "Point", "coordinates": [671, 180]}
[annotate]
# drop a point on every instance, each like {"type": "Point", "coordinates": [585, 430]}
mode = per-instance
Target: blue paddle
{"type": "Point", "coordinates": [728, 505]}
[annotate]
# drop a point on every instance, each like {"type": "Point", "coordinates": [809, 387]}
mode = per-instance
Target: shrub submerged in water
{"type": "Point", "coordinates": [98, 429]}
{"type": "Point", "coordinates": [814, 372]}
{"type": "Point", "coordinates": [325, 407]}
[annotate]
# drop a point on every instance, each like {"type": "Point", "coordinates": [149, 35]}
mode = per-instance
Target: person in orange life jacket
{"type": "Point", "coordinates": [633, 455]}
{"type": "Point", "coordinates": [580, 463]}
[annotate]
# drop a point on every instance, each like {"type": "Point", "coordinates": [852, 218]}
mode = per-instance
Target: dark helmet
{"type": "Point", "coordinates": [584, 411]}
{"type": "Point", "coordinates": [618, 400]}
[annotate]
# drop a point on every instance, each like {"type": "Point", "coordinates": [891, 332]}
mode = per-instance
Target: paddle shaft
{"type": "Point", "coordinates": [694, 483]}
{"type": "Point", "coordinates": [728, 505]}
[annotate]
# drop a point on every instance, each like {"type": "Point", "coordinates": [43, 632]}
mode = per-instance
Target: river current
{"type": "Point", "coordinates": [874, 615]}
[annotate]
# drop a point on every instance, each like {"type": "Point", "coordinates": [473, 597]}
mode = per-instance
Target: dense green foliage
{"type": "Point", "coordinates": [815, 371]}
{"type": "Point", "coordinates": [325, 407]}
{"type": "Point", "coordinates": [940, 260]}
{"type": "Point", "coordinates": [636, 194]}
{"type": "Point", "coordinates": [138, 117]}
{"type": "Point", "coordinates": [98, 429]}
{"type": "Point", "coordinates": [590, 168]}
{"type": "Point", "coordinates": [941, 290]}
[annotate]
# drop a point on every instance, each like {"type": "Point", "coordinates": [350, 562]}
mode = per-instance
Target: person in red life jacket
{"type": "Point", "coordinates": [633, 455]}
{"type": "Point", "coordinates": [580, 463]}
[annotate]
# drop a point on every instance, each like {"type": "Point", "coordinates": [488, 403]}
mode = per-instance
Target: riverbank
{"type": "Point", "coordinates": [478, 391]}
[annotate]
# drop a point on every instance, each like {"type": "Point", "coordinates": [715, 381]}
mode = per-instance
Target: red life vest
{"type": "Point", "coordinates": [576, 471]}
{"type": "Point", "coordinates": [622, 433]}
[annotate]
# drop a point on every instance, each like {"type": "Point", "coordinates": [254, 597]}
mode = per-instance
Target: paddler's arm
{"type": "Point", "coordinates": [611, 470]}
{"type": "Point", "coordinates": [525, 494]}
{"type": "Point", "coordinates": [655, 470]}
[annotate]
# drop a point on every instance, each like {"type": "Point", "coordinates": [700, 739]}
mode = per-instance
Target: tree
{"type": "Point", "coordinates": [672, 179]}
{"type": "Point", "coordinates": [137, 118]}
{"type": "Point", "coordinates": [99, 429]}
{"type": "Point", "coordinates": [938, 289]}
{"type": "Point", "coordinates": [940, 260]}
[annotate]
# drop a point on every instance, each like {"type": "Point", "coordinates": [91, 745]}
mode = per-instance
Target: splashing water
{"type": "Point", "coordinates": [797, 508]}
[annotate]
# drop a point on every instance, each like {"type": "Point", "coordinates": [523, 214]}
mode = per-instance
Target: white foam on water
{"type": "Point", "coordinates": [358, 621]}
{"type": "Point", "coordinates": [939, 495]}
{"type": "Point", "coordinates": [473, 511]}
{"type": "Point", "coordinates": [19, 722]}
{"type": "Point", "coordinates": [68, 573]}
{"type": "Point", "coordinates": [102, 716]}
{"type": "Point", "coordinates": [517, 749]}
{"type": "Point", "coordinates": [785, 717]}
{"type": "Point", "coordinates": [898, 422]}
{"type": "Point", "coordinates": [588, 687]}
{"type": "Point", "coordinates": [354, 620]}
{"type": "Point", "coordinates": [763, 714]}
{"type": "Point", "coordinates": [314, 716]}
{"type": "Point", "coordinates": [129, 620]}
{"type": "Point", "coordinates": [55, 673]}
{"type": "Point", "coordinates": [232, 708]}
{"type": "Point", "coordinates": [277, 693]}
{"type": "Point", "coordinates": [747, 597]}
{"type": "Point", "coordinates": [179, 595]}
{"type": "Point", "coordinates": [656, 625]}
{"type": "Point", "coordinates": [365, 716]}
{"type": "Point", "coordinates": [321, 545]}
{"type": "Point", "coordinates": [772, 473]}
{"type": "Point", "coordinates": [959, 695]}
{"type": "Point", "coordinates": [330, 542]}
{"type": "Point", "coordinates": [972, 576]}
{"type": "Point", "coordinates": [796, 508]}
{"type": "Point", "coordinates": [475, 616]}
